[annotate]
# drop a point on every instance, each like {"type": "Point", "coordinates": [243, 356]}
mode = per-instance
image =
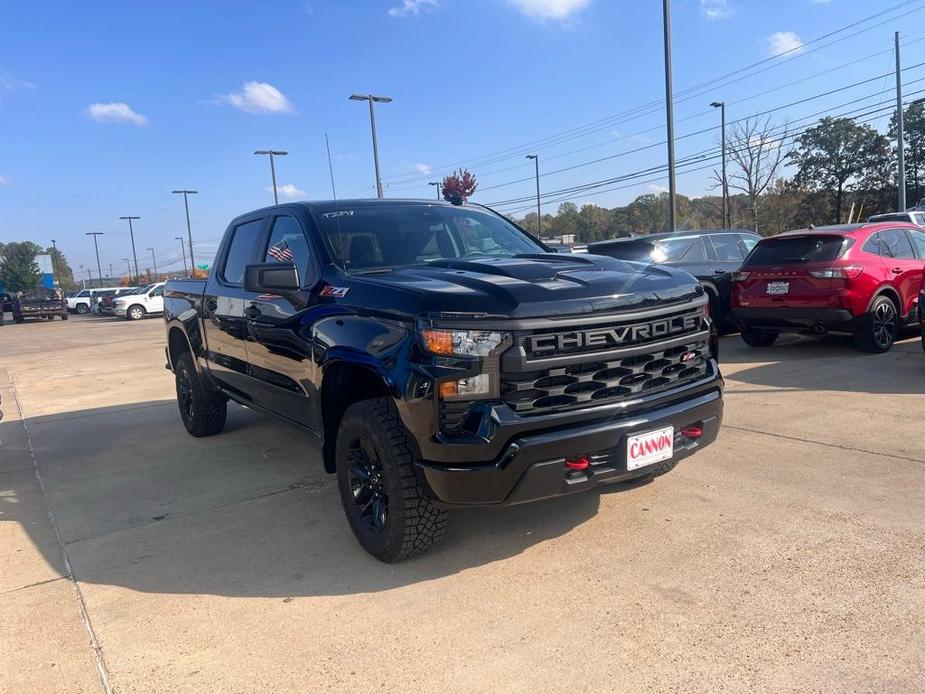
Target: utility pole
{"type": "Point", "coordinates": [722, 106]}
{"type": "Point", "coordinates": [99, 268]}
{"type": "Point", "coordinates": [189, 229]}
{"type": "Point", "coordinates": [900, 155]}
{"type": "Point", "coordinates": [372, 99]}
{"type": "Point", "coordinates": [54, 261]}
{"type": "Point", "coordinates": [111, 273]}
{"type": "Point", "coordinates": [154, 260]}
{"type": "Point", "coordinates": [436, 184]}
{"type": "Point", "coordinates": [128, 265]}
{"type": "Point", "coordinates": [183, 251]}
{"type": "Point", "coordinates": [272, 153]}
{"type": "Point", "coordinates": [131, 232]}
{"type": "Point", "coordinates": [669, 117]}
{"type": "Point", "coordinates": [539, 216]}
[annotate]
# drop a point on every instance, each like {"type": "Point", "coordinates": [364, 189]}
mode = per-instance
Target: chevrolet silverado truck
{"type": "Point", "coordinates": [444, 358]}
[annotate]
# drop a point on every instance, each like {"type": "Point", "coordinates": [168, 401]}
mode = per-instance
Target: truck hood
{"type": "Point", "coordinates": [526, 286]}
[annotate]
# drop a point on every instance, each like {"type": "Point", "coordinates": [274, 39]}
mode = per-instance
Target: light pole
{"type": "Point", "coordinates": [669, 116]}
{"type": "Point", "coordinates": [436, 184]}
{"type": "Point", "coordinates": [131, 232]}
{"type": "Point", "coordinates": [111, 273]}
{"type": "Point", "coordinates": [272, 153]}
{"type": "Point", "coordinates": [371, 98]}
{"type": "Point", "coordinates": [721, 105]}
{"type": "Point", "coordinates": [128, 264]}
{"type": "Point", "coordinates": [189, 229]}
{"type": "Point", "coordinates": [54, 261]}
{"type": "Point", "coordinates": [153, 260]}
{"type": "Point", "coordinates": [539, 215]}
{"type": "Point", "coordinates": [900, 155]}
{"type": "Point", "coordinates": [99, 268]}
{"type": "Point", "coordinates": [183, 252]}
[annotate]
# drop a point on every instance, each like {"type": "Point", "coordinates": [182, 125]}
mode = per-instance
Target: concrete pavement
{"type": "Point", "coordinates": [790, 556]}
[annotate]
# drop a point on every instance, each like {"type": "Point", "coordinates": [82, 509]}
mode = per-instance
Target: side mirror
{"type": "Point", "coordinates": [272, 278]}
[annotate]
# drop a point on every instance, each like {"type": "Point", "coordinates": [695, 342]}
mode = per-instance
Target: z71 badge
{"type": "Point", "coordinates": [338, 292]}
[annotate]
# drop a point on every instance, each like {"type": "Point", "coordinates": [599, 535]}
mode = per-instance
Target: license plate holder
{"type": "Point", "coordinates": [649, 448]}
{"type": "Point", "coordinates": [778, 288]}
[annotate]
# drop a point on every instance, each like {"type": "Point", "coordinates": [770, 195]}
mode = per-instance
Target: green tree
{"type": "Point", "coordinates": [18, 269]}
{"type": "Point", "coordinates": [567, 218]}
{"type": "Point", "coordinates": [833, 156]}
{"type": "Point", "coordinates": [914, 150]}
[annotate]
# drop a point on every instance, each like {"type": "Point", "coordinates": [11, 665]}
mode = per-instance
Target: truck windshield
{"type": "Point", "coordinates": [389, 236]}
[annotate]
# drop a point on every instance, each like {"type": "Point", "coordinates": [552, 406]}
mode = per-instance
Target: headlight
{"type": "Point", "coordinates": [470, 343]}
{"type": "Point", "coordinates": [467, 343]}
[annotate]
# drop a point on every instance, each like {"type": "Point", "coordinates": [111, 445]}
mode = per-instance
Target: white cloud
{"type": "Point", "coordinates": [4, 181]}
{"type": "Point", "coordinates": [409, 8]}
{"type": "Point", "coordinates": [9, 83]}
{"type": "Point", "coordinates": [258, 97]}
{"type": "Point", "coordinates": [115, 112]}
{"type": "Point", "coordinates": [781, 42]}
{"type": "Point", "coordinates": [288, 191]}
{"type": "Point", "coordinates": [422, 168]}
{"type": "Point", "coordinates": [558, 10]}
{"type": "Point", "coordinates": [715, 9]}
{"type": "Point", "coordinates": [656, 189]}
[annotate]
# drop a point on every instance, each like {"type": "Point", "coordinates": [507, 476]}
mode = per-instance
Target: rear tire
{"type": "Point", "coordinates": [83, 309]}
{"type": "Point", "coordinates": [64, 316]}
{"type": "Point", "coordinates": [203, 411]}
{"type": "Point", "coordinates": [386, 507]}
{"type": "Point", "coordinates": [877, 329]}
{"type": "Point", "coordinates": [135, 312]}
{"type": "Point", "coordinates": [758, 338]}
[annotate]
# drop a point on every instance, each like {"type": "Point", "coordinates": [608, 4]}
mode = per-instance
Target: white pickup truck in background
{"type": "Point", "coordinates": [82, 300]}
{"type": "Point", "coordinates": [146, 301]}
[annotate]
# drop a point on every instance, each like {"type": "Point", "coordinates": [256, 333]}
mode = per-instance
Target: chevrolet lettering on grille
{"type": "Point", "coordinates": [608, 337]}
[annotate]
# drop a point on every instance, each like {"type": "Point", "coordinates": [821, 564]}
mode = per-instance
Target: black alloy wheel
{"type": "Point", "coordinates": [878, 329]}
{"type": "Point", "coordinates": [367, 485]}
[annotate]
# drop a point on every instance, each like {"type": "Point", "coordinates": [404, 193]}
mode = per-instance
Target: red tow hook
{"type": "Point", "coordinates": [692, 432]}
{"type": "Point", "coordinates": [577, 463]}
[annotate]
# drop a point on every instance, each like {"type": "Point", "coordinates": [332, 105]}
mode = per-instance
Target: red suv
{"type": "Point", "coordinates": [862, 279]}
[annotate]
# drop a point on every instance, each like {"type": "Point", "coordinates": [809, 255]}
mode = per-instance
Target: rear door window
{"type": "Point", "coordinates": [726, 247]}
{"type": "Point", "coordinates": [749, 242]}
{"type": "Point", "coordinates": [795, 250]}
{"type": "Point", "coordinates": [241, 251]}
{"type": "Point", "coordinates": [895, 244]}
{"type": "Point", "coordinates": [918, 240]}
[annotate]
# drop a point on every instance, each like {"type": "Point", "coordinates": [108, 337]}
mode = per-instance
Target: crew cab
{"type": "Point", "coordinates": [444, 358]}
{"type": "Point", "coordinates": [141, 302]}
{"type": "Point", "coordinates": [859, 279]}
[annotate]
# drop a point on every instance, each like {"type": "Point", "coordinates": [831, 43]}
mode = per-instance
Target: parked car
{"type": "Point", "coordinates": [148, 300]}
{"type": "Point", "coordinates": [39, 303]}
{"type": "Point", "coordinates": [444, 358]}
{"type": "Point", "coordinates": [909, 217]}
{"type": "Point", "coordinates": [106, 304]}
{"type": "Point", "coordinates": [860, 279]}
{"type": "Point", "coordinates": [710, 255]}
{"type": "Point", "coordinates": [82, 300]}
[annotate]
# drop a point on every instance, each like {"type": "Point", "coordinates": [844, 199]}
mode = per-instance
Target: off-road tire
{"type": "Point", "coordinates": [758, 338]}
{"type": "Point", "coordinates": [203, 411]}
{"type": "Point", "coordinates": [873, 332]}
{"type": "Point", "coordinates": [412, 522]}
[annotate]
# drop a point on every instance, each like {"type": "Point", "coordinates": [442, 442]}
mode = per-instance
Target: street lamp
{"type": "Point", "coordinates": [183, 252]}
{"type": "Point", "coordinates": [669, 117]}
{"type": "Point", "coordinates": [153, 260]}
{"type": "Point", "coordinates": [99, 268]}
{"type": "Point", "coordinates": [189, 230]}
{"type": "Point", "coordinates": [131, 232]}
{"type": "Point", "coordinates": [272, 153]}
{"type": "Point", "coordinates": [54, 262]}
{"type": "Point", "coordinates": [437, 185]}
{"type": "Point", "coordinates": [721, 105]}
{"type": "Point", "coordinates": [539, 216]}
{"type": "Point", "coordinates": [371, 98]}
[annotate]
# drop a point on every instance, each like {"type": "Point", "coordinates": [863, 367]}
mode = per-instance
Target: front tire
{"type": "Point", "coordinates": [83, 309]}
{"type": "Point", "coordinates": [135, 312]}
{"type": "Point", "coordinates": [758, 338]}
{"type": "Point", "coordinates": [385, 504]}
{"type": "Point", "coordinates": [203, 411]}
{"type": "Point", "coordinates": [64, 316]}
{"type": "Point", "coordinates": [877, 329]}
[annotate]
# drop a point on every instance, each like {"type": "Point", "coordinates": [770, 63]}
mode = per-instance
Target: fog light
{"type": "Point", "coordinates": [469, 387]}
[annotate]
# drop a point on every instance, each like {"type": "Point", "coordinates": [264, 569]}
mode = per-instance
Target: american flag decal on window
{"type": "Point", "coordinates": [281, 252]}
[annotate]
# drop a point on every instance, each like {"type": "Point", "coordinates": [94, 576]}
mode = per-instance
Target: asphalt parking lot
{"type": "Point", "coordinates": [788, 557]}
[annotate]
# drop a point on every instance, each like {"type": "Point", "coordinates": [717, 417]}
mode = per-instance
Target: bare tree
{"type": "Point", "coordinates": [755, 148]}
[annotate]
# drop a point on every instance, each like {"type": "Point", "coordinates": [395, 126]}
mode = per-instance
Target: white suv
{"type": "Point", "coordinates": [145, 301]}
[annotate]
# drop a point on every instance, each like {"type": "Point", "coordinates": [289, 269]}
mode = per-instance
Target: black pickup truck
{"type": "Point", "coordinates": [444, 358]}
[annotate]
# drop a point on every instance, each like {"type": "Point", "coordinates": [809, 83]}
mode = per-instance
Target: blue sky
{"type": "Point", "coordinates": [105, 107]}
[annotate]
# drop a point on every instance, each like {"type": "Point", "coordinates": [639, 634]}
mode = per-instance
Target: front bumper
{"type": "Point", "coordinates": [531, 466]}
{"type": "Point", "coordinates": [795, 319]}
{"type": "Point", "coordinates": [119, 310]}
